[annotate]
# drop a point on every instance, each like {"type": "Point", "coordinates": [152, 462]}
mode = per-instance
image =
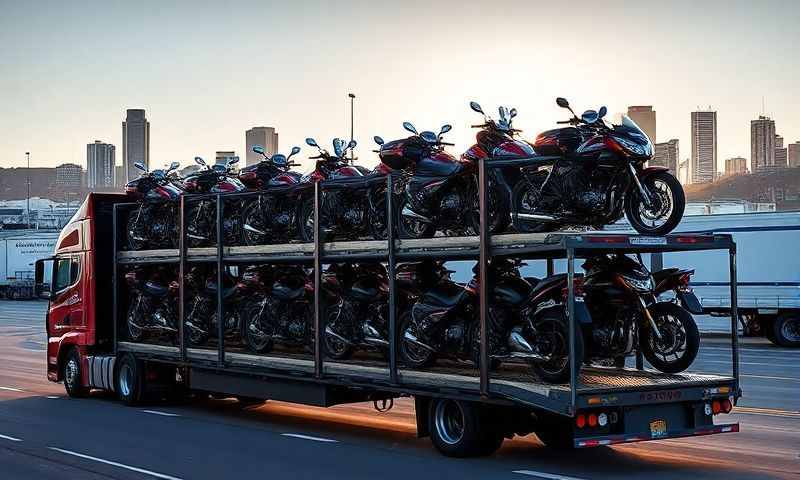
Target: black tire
{"type": "Point", "coordinates": [675, 202]}
{"type": "Point", "coordinates": [73, 375]}
{"type": "Point", "coordinates": [305, 220]}
{"type": "Point", "coordinates": [334, 348]}
{"type": "Point", "coordinates": [518, 205]}
{"type": "Point", "coordinates": [130, 380]}
{"type": "Point", "coordinates": [499, 215]}
{"type": "Point", "coordinates": [786, 330]}
{"type": "Point", "coordinates": [199, 224]}
{"type": "Point", "coordinates": [412, 355]}
{"type": "Point", "coordinates": [553, 333]}
{"type": "Point", "coordinates": [407, 228]}
{"type": "Point", "coordinates": [252, 336]}
{"type": "Point", "coordinates": [376, 220]}
{"type": "Point", "coordinates": [253, 216]}
{"type": "Point", "coordinates": [666, 314]}
{"type": "Point", "coordinates": [136, 312]}
{"type": "Point", "coordinates": [457, 429]}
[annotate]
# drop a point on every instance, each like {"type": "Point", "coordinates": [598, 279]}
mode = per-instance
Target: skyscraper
{"type": "Point", "coordinates": [735, 166]}
{"type": "Point", "coordinates": [135, 142]}
{"type": "Point", "coordinates": [645, 117]}
{"type": "Point", "coordinates": [793, 155]}
{"type": "Point", "coordinates": [222, 156]}
{"type": "Point", "coordinates": [100, 165]}
{"type": "Point", "coordinates": [704, 146]}
{"type": "Point", "coordinates": [762, 144]}
{"type": "Point", "coordinates": [666, 155]}
{"type": "Point", "coordinates": [267, 137]}
{"type": "Point", "coordinates": [780, 153]}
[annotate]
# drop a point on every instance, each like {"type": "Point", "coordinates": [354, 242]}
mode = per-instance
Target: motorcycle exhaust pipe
{"type": "Point", "coordinates": [538, 217]}
{"type": "Point", "coordinates": [253, 229]}
{"type": "Point", "coordinates": [373, 337]}
{"type": "Point", "coordinates": [411, 338]}
{"type": "Point", "coordinates": [329, 331]}
{"type": "Point", "coordinates": [411, 213]}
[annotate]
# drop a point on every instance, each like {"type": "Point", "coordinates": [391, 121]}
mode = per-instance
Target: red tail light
{"type": "Point", "coordinates": [716, 407]}
{"type": "Point", "coordinates": [592, 420]}
{"type": "Point", "coordinates": [580, 421]}
{"type": "Point", "coordinates": [727, 406]}
{"type": "Point", "coordinates": [608, 239]}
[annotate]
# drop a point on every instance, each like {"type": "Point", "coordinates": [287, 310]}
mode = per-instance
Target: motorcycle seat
{"type": "Point", "coordinates": [445, 295]}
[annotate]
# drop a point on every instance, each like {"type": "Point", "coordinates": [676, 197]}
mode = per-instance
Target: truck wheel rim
{"type": "Point", "coordinates": [791, 329]}
{"type": "Point", "coordinates": [449, 421]}
{"type": "Point", "coordinates": [125, 378]}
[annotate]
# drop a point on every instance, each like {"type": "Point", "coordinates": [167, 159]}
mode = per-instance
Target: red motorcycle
{"type": "Point", "coordinates": [201, 215]}
{"type": "Point", "coordinates": [154, 223]}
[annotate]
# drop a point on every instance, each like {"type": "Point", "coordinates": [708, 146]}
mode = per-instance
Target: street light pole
{"type": "Point", "coordinates": [352, 99]}
{"type": "Point", "coordinates": [28, 181]}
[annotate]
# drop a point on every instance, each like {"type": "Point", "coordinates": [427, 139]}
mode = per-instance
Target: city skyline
{"type": "Point", "coordinates": [199, 107]}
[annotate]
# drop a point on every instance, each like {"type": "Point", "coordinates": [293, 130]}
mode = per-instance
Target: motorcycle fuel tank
{"type": "Point", "coordinates": [438, 164]}
{"type": "Point", "coordinates": [557, 141]}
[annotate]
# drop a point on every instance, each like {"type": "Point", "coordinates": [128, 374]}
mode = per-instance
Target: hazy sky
{"type": "Point", "coordinates": [206, 72]}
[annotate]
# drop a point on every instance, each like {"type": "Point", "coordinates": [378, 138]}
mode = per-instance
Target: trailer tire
{"type": "Point", "coordinates": [130, 380]}
{"type": "Point", "coordinates": [456, 429]}
{"type": "Point", "coordinates": [73, 375]}
{"type": "Point", "coordinates": [786, 330]}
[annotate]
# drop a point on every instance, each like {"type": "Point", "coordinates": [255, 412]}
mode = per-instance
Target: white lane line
{"type": "Point", "coordinates": [53, 397]}
{"type": "Point", "coordinates": [12, 389]}
{"type": "Point", "coordinates": [115, 464]}
{"type": "Point", "coordinates": [13, 439]}
{"type": "Point", "coordinates": [776, 365]}
{"type": "Point", "coordinates": [548, 476]}
{"type": "Point", "coordinates": [163, 414]}
{"type": "Point", "coordinates": [308, 437]}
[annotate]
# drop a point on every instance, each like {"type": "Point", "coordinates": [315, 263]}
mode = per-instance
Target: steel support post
{"type": "Point", "coordinates": [317, 282]}
{"type": "Point", "coordinates": [114, 278]}
{"type": "Point", "coordinates": [182, 279]}
{"type": "Point", "coordinates": [483, 302]}
{"type": "Point", "coordinates": [573, 331]}
{"type": "Point", "coordinates": [392, 281]}
{"type": "Point", "coordinates": [734, 320]}
{"type": "Point", "coordinates": [220, 284]}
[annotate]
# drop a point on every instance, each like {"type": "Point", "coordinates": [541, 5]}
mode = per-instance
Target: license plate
{"type": "Point", "coordinates": [658, 428]}
{"type": "Point", "coordinates": [648, 240]}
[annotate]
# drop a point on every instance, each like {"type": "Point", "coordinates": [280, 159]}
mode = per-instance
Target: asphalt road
{"type": "Point", "coordinates": [46, 435]}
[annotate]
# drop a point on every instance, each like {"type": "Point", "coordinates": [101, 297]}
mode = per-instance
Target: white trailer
{"type": "Point", "coordinates": [19, 251]}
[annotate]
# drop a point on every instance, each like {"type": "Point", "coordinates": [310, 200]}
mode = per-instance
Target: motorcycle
{"type": "Point", "coordinates": [525, 322]}
{"type": "Point", "coordinates": [621, 296]}
{"type": "Point", "coordinates": [598, 174]}
{"type": "Point", "coordinates": [154, 223]}
{"type": "Point", "coordinates": [279, 307]}
{"type": "Point", "coordinates": [201, 215]}
{"type": "Point", "coordinates": [345, 210]}
{"type": "Point", "coordinates": [272, 216]}
{"type": "Point", "coordinates": [202, 321]}
{"type": "Point", "coordinates": [677, 280]}
{"type": "Point", "coordinates": [153, 302]}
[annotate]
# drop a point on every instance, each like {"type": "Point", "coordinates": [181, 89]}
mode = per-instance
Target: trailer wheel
{"type": "Point", "coordinates": [73, 375]}
{"type": "Point", "coordinates": [457, 431]}
{"type": "Point", "coordinates": [786, 330]}
{"type": "Point", "coordinates": [130, 380]}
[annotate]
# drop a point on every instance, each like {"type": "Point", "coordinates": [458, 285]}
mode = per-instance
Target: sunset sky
{"type": "Point", "coordinates": [207, 72]}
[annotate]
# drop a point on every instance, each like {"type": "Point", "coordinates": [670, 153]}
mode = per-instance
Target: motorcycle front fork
{"type": "Point", "coordinates": [644, 193]}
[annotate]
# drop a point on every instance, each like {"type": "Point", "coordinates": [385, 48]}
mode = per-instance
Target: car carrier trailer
{"type": "Point", "coordinates": [466, 409]}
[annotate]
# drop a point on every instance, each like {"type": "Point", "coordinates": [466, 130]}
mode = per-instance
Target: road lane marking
{"type": "Point", "coordinates": [768, 377]}
{"type": "Point", "coordinates": [115, 464]}
{"type": "Point", "coordinates": [53, 397]}
{"type": "Point", "coordinates": [548, 476]}
{"type": "Point", "coordinates": [13, 439]}
{"type": "Point", "coordinates": [12, 389]}
{"type": "Point", "coordinates": [777, 365]}
{"type": "Point", "coordinates": [163, 414]}
{"type": "Point", "coordinates": [766, 411]}
{"type": "Point", "coordinates": [308, 437]}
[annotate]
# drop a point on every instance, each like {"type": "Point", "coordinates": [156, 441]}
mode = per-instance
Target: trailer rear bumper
{"type": "Point", "coordinates": [642, 437]}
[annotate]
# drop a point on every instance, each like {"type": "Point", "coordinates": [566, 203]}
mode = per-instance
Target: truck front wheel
{"type": "Point", "coordinates": [457, 429]}
{"type": "Point", "coordinates": [73, 375]}
{"type": "Point", "coordinates": [130, 380]}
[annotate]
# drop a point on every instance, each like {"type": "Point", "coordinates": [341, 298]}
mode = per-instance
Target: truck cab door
{"type": "Point", "coordinates": [66, 299]}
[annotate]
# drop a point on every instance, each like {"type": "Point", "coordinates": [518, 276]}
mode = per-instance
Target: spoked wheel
{"type": "Point", "coordinates": [411, 227]}
{"type": "Point", "coordinates": [376, 221]}
{"type": "Point", "coordinates": [335, 347]}
{"type": "Point", "coordinates": [254, 225]}
{"type": "Point", "coordinates": [136, 317]}
{"type": "Point", "coordinates": [552, 340]}
{"type": "Point", "coordinates": [679, 342]}
{"type": "Point", "coordinates": [253, 332]}
{"type": "Point", "coordinates": [136, 230]}
{"type": "Point", "coordinates": [526, 198]}
{"type": "Point", "coordinates": [164, 227]}
{"type": "Point", "coordinates": [668, 202]}
{"type": "Point", "coordinates": [499, 217]}
{"type": "Point", "coordinates": [413, 355]}
{"type": "Point", "coordinates": [201, 229]}
{"type": "Point", "coordinates": [305, 221]}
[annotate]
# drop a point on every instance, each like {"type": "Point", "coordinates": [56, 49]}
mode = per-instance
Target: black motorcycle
{"type": "Point", "coordinates": [201, 215]}
{"type": "Point", "coordinates": [279, 307]}
{"type": "Point", "coordinates": [202, 320]}
{"type": "Point", "coordinates": [621, 295]}
{"type": "Point", "coordinates": [525, 322]}
{"type": "Point", "coordinates": [153, 302]}
{"type": "Point", "coordinates": [598, 173]}
{"type": "Point", "coordinates": [154, 223]}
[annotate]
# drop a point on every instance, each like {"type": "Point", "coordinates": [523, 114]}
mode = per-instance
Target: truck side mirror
{"type": "Point", "coordinates": [42, 278]}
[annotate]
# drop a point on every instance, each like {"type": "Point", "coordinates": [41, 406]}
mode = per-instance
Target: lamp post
{"type": "Point", "coordinates": [352, 100]}
{"type": "Point", "coordinates": [28, 197]}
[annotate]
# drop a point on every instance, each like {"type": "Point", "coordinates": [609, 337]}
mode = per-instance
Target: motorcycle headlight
{"type": "Point", "coordinates": [641, 285]}
{"type": "Point", "coordinates": [636, 148]}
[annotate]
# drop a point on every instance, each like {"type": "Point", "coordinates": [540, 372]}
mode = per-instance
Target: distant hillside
{"type": "Point", "coordinates": [781, 187]}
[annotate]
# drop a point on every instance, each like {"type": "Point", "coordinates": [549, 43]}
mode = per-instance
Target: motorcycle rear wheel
{"type": "Point", "coordinates": [527, 226]}
{"type": "Point", "coordinates": [136, 231]}
{"type": "Point", "coordinates": [679, 334]}
{"type": "Point", "coordinates": [136, 312]}
{"type": "Point", "coordinates": [409, 228]}
{"type": "Point", "coordinates": [254, 338]}
{"type": "Point", "coordinates": [334, 348]}
{"type": "Point", "coordinates": [499, 215]}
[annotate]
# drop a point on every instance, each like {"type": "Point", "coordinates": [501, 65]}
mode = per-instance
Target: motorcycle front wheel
{"type": "Point", "coordinates": [253, 217]}
{"type": "Point", "coordinates": [409, 227]}
{"type": "Point", "coordinates": [499, 215]}
{"type": "Point", "coordinates": [136, 318]}
{"type": "Point", "coordinates": [253, 334]}
{"type": "Point", "coordinates": [552, 338]}
{"type": "Point", "coordinates": [335, 348]}
{"type": "Point", "coordinates": [680, 339]}
{"type": "Point", "coordinates": [667, 205]}
{"type": "Point", "coordinates": [136, 230]}
{"type": "Point", "coordinates": [201, 230]}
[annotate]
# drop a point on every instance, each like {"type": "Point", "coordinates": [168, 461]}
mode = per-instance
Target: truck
{"type": "Point", "coordinates": [19, 250]}
{"type": "Point", "coordinates": [466, 409]}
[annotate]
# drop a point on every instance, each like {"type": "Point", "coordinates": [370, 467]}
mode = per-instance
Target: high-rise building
{"type": "Point", "coordinates": [781, 157]}
{"type": "Point", "coordinates": [119, 175]}
{"type": "Point", "coordinates": [793, 155]}
{"type": "Point", "coordinates": [645, 117]}
{"type": "Point", "coordinates": [267, 137]}
{"type": "Point", "coordinates": [762, 144]}
{"type": "Point", "coordinates": [135, 142]}
{"type": "Point", "coordinates": [69, 175]}
{"type": "Point", "coordinates": [222, 156]}
{"type": "Point", "coordinates": [100, 165]}
{"type": "Point", "coordinates": [667, 155]}
{"type": "Point", "coordinates": [735, 166]}
{"type": "Point", "coordinates": [704, 146]}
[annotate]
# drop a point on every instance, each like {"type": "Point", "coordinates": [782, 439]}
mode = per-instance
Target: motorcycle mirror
{"type": "Point", "coordinates": [140, 166]}
{"type": "Point", "coordinates": [445, 128]}
{"type": "Point", "coordinates": [352, 144]}
{"type": "Point", "coordinates": [590, 116]}
{"type": "Point", "coordinates": [311, 142]}
{"type": "Point", "coordinates": [602, 112]}
{"type": "Point", "coordinates": [378, 140]}
{"type": "Point", "coordinates": [295, 151]}
{"type": "Point", "coordinates": [199, 161]}
{"type": "Point", "coordinates": [562, 102]}
{"type": "Point", "coordinates": [258, 149]}
{"type": "Point", "coordinates": [476, 107]}
{"type": "Point", "coordinates": [513, 112]}
{"type": "Point", "coordinates": [408, 126]}
{"type": "Point", "coordinates": [174, 165]}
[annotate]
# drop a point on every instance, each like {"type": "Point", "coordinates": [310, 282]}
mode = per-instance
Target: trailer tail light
{"type": "Point", "coordinates": [694, 239]}
{"type": "Point", "coordinates": [602, 419]}
{"type": "Point", "coordinates": [592, 420]}
{"type": "Point", "coordinates": [580, 421]}
{"type": "Point", "coordinates": [716, 407]}
{"type": "Point", "coordinates": [596, 419]}
{"type": "Point", "coordinates": [727, 406]}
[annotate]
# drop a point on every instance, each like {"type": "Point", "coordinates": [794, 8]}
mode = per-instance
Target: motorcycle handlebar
{"type": "Point", "coordinates": [448, 144]}
{"type": "Point", "coordinates": [564, 121]}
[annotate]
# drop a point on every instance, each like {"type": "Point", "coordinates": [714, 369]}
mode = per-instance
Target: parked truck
{"type": "Point", "coordinates": [467, 410]}
{"type": "Point", "coordinates": [19, 250]}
